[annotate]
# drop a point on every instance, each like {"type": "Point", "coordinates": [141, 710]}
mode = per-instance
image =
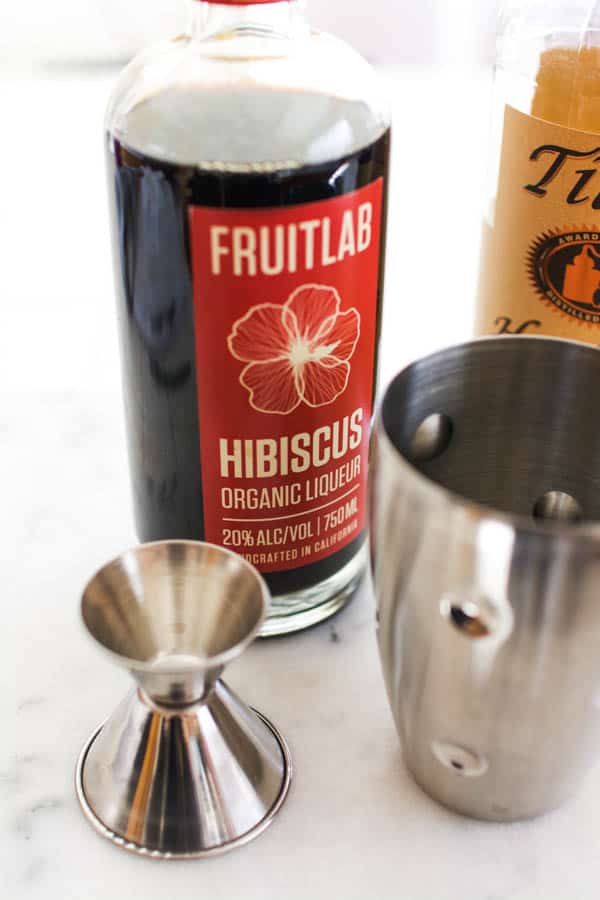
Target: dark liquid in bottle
{"type": "Point", "coordinates": [155, 298]}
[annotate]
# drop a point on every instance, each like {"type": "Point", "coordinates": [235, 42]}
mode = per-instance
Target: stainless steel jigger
{"type": "Point", "coordinates": [182, 768]}
{"type": "Point", "coordinates": [487, 571]}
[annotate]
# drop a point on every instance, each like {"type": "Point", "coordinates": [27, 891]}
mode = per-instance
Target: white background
{"type": "Point", "coordinates": [355, 827]}
{"type": "Point", "coordinates": [423, 31]}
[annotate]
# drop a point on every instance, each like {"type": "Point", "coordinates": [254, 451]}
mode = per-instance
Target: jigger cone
{"type": "Point", "coordinates": [182, 768]}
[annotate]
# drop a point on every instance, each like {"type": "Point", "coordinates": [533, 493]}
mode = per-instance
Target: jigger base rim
{"type": "Point", "coordinates": [218, 850]}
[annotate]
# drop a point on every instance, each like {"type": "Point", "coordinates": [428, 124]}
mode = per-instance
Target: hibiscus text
{"type": "Point", "coordinates": [245, 250]}
{"type": "Point", "coordinates": [271, 458]}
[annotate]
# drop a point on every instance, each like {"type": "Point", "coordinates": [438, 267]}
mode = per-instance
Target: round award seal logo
{"type": "Point", "coordinates": [564, 268]}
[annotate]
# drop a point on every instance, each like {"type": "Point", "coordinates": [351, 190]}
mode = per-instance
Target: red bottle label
{"type": "Point", "coordinates": [285, 306]}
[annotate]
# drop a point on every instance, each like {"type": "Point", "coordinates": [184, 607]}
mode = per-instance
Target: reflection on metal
{"type": "Point", "coordinates": [489, 624]}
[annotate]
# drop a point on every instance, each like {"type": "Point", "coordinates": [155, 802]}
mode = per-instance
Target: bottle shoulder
{"type": "Point", "coordinates": [546, 56]}
{"type": "Point", "coordinates": [248, 99]}
{"type": "Point", "coordinates": [527, 29]}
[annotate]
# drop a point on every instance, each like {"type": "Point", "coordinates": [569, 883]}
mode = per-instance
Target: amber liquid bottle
{"type": "Point", "coordinates": [248, 166]}
{"type": "Point", "coordinates": [540, 270]}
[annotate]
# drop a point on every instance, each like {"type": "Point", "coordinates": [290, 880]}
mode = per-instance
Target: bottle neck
{"type": "Point", "coordinates": [276, 18]}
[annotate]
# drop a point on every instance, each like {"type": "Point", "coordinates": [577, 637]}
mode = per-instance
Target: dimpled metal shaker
{"type": "Point", "coordinates": [486, 556]}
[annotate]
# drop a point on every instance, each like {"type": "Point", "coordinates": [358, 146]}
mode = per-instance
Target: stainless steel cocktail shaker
{"type": "Point", "coordinates": [487, 571]}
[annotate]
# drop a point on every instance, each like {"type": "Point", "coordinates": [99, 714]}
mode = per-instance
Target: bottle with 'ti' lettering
{"type": "Point", "coordinates": [248, 165]}
{"type": "Point", "coordinates": [540, 270]}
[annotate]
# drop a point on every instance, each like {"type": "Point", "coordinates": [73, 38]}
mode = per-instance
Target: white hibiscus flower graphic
{"type": "Point", "coordinates": [297, 352]}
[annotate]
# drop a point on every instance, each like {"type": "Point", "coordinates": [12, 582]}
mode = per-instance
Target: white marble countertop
{"type": "Point", "coordinates": [355, 826]}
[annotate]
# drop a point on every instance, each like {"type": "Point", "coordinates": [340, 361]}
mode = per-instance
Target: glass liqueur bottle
{"type": "Point", "coordinates": [540, 270]}
{"type": "Point", "coordinates": [248, 165]}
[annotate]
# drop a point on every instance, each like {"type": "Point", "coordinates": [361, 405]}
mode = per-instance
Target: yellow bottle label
{"type": "Point", "coordinates": [540, 269]}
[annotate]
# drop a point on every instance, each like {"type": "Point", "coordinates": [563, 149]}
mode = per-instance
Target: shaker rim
{"type": "Point", "coordinates": [480, 512]}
